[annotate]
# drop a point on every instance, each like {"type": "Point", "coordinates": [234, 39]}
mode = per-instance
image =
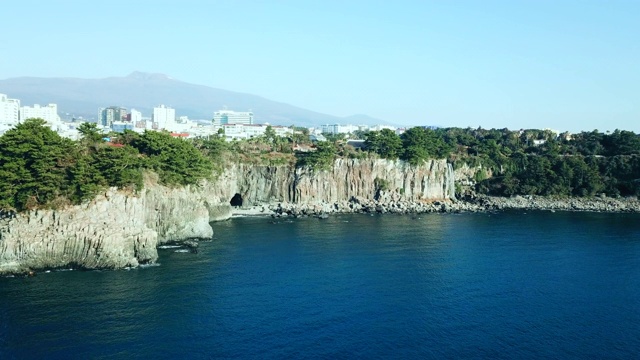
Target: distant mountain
{"type": "Point", "coordinates": [143, 91]}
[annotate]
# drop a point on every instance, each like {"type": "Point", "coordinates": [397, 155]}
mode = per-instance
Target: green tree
{"type": "Point", "coordinates": [176, 160]}
{"type": "Point", "coordinates": [359, 135]}
{"type": "Point", "coordinates": [300, 135]}
{"type": "Point", "coordinates": [320, 159]}
{"type": "Point", "coordinates": [269, 135]}
{"type": "Point", "coordinates": [385, 143]}
{"type": "Point", "coordinates": [621, 143]}
{"type": "Point", "coordinates": [213, 146]}
{"type": "Point", "coordinates": [90, 132]}
{"type": "Point", "coordinates": [335, 137]}
{"type": "Point", "coordinates": [421, 144]}
{"type": "Point", "coordinates": [85, 179]}
{"type": "Point", "coordinates": [119, 166]}
{"type": "Point", "coordinates": [33, 165]}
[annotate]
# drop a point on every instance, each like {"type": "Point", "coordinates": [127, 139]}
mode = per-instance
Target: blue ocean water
{"type": "Point", "coordinates": [509, 285]}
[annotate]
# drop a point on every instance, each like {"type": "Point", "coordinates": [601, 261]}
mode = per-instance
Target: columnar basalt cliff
{"type": "Point", "coordinates": [347, 179]}
{"type": "Point", "coordinates": [115, 230]}
{"type": "Point", "coordinates": [120, 229]}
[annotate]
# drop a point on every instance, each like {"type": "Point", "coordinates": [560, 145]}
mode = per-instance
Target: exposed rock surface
{"type": "Point", "coordinates": [119, 229]}
{"type": "Point", "coordinates": [594, 204]}
{"type": "Point", "coordinates": [115, 230]}
{"type": "Point", "coordinates": [348, 178]}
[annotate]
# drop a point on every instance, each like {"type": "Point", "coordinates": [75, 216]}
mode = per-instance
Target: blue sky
{"type": "Point", "coordinates": [566, 65]}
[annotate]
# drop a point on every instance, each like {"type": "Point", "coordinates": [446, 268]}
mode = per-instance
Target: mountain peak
{"type": "Point", "coordinates": [139, 75]}
{"type": "Point", "coordinates": [143, 91]}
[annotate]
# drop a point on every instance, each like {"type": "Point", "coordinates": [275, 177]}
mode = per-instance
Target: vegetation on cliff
{"type": "Point", "coordinates": [540, 162]}
{"type": "Point", "coordinates": [532, 162]}
{"type": "Point", "coordinates": [38, 168]}
{"type": "Point", "coordinates": [415, 145]}
{"type": "Point", "coordinates": [527, 162]}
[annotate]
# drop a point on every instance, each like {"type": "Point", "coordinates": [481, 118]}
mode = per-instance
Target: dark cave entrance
{"type": "Point", "coordinates": [236, 200]}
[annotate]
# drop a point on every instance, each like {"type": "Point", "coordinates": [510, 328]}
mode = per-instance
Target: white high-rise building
{"type": "Point", "coordinates": [341, 129]}
{"type": "Point", "coordinates": [9, 111]}
{"type": "Point", "coordinates": [165, 117]}
{"type": "Point", "coordinates": [136, 116]}
{"type": "Point", "coordinates": [225, 116]}
{"type": "Point", "coordinates": [331, 129]}
{"type": "Point", "coordinates": [48, 113]}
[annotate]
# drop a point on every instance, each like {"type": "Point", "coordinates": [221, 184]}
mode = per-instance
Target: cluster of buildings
{"type": "Point", "coordinates": [350, 129]}
{"type": "Point", "coordinates": [233, 124]}
{"type": "Point", "coordinates": [118, 119]}
{"type": "Point", "coordinates": [12, 113]}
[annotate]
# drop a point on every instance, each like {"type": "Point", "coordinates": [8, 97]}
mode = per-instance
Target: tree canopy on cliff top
{"type": "Point", "coordinates": [39, 168]}
{"type": "Point", "coordinates": [34, 164]}
{"type": "Point", "coordinates": [538, 162]}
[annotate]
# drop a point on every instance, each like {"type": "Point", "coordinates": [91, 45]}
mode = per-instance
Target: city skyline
{"type": "Point", "coordinates": [570, 65]}
{"type": "Point", "coordinates": [117, 119]}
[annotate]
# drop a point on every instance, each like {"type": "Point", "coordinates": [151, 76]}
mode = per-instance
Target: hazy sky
{"type": "Point", "coordinates": [566, 65]}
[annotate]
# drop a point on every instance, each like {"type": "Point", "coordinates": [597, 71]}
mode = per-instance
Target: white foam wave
{"type": "Point", "coordinates": [168, 246]}
{"type": "Point", "coordinates": [149, 265]}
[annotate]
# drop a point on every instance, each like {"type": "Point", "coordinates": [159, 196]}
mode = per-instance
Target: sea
{"type": "Point", "coordinates": [507, 285]}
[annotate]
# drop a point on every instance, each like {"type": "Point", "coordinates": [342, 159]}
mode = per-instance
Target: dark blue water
{"type": "Point", "coordinates": [509, 285]}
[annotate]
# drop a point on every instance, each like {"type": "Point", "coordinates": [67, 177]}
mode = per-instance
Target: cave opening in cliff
{"type": "Point", "coordinates": [236, 200]}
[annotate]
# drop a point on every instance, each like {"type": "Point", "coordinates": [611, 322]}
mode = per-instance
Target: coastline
{"type": "Point", "coordinates": [29, 265]}
{"type": "Point", "coordinates": [590, 204]}
{"type": "Point", "coordinates": [475, 204]}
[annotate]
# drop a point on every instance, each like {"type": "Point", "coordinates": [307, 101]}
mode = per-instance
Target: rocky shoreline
{"type": "Point", "coordinates": [122, 229]}
{"type": "Point", "coordinates": [475, 204]}
{"type": "Point", "coordinates": [127, 252]}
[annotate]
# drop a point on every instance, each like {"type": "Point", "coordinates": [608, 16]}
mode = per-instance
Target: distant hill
{"type": "Point", "coordinates": [143, 91]}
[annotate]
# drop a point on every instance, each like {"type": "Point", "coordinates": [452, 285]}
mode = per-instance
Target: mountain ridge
{"type": "Point", "coordinates": [143, 91]}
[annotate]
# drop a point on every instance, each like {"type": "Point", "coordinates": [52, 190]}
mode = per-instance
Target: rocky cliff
{"type": "Point", "coordinates": [347, 179]}
{"type": "Point", "coordinates": [119, 229]}
{"type": "Point", "coordinates": [115, 230]}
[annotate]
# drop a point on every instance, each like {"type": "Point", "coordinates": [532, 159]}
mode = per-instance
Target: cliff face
{"type": "Point", "coordinates": [117, 229]}
{"type": "Point", "coordinates": [348, 178]}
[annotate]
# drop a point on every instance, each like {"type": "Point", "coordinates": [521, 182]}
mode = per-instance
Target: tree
{"type": "Point", "coordinates": [300, 135]}
{"type": "Point", "coordinates": [269, 135]}
{"type": "Point", "coordinates": [421, 144]}
{"type": "Point", "coordinates": [621, 143]}
{"type": "Point", "coordinates": [119, 166]}
{"type": "Point", "coordinates": [85, 179]}
{"type": "Point", "coordinates": [90, 132]}
{"type": "Point", "coordinates": [322, 158]}
{"type": "Point", "coordinates": [385, 143]}
{"type": "Point", "coordinates": [359, 135]}
{"type": "Point", "coordinates": [176, 160]}
{"type": "Point", "coordinates": [212, 147]}
{"type": "Point", "coordinates": [335, 137]}
{"type": "Point", "coordinates": [33, 165]}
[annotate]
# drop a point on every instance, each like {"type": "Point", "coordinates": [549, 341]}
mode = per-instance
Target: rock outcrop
{"type": "Point", "coordinates": [113, 231]}
{"type": "Point", "coordinates": [347, 179]}
{"type": "Point", "coordinates": [119, 229]}
{"type": "Point", "coordinates": [529, 202]}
